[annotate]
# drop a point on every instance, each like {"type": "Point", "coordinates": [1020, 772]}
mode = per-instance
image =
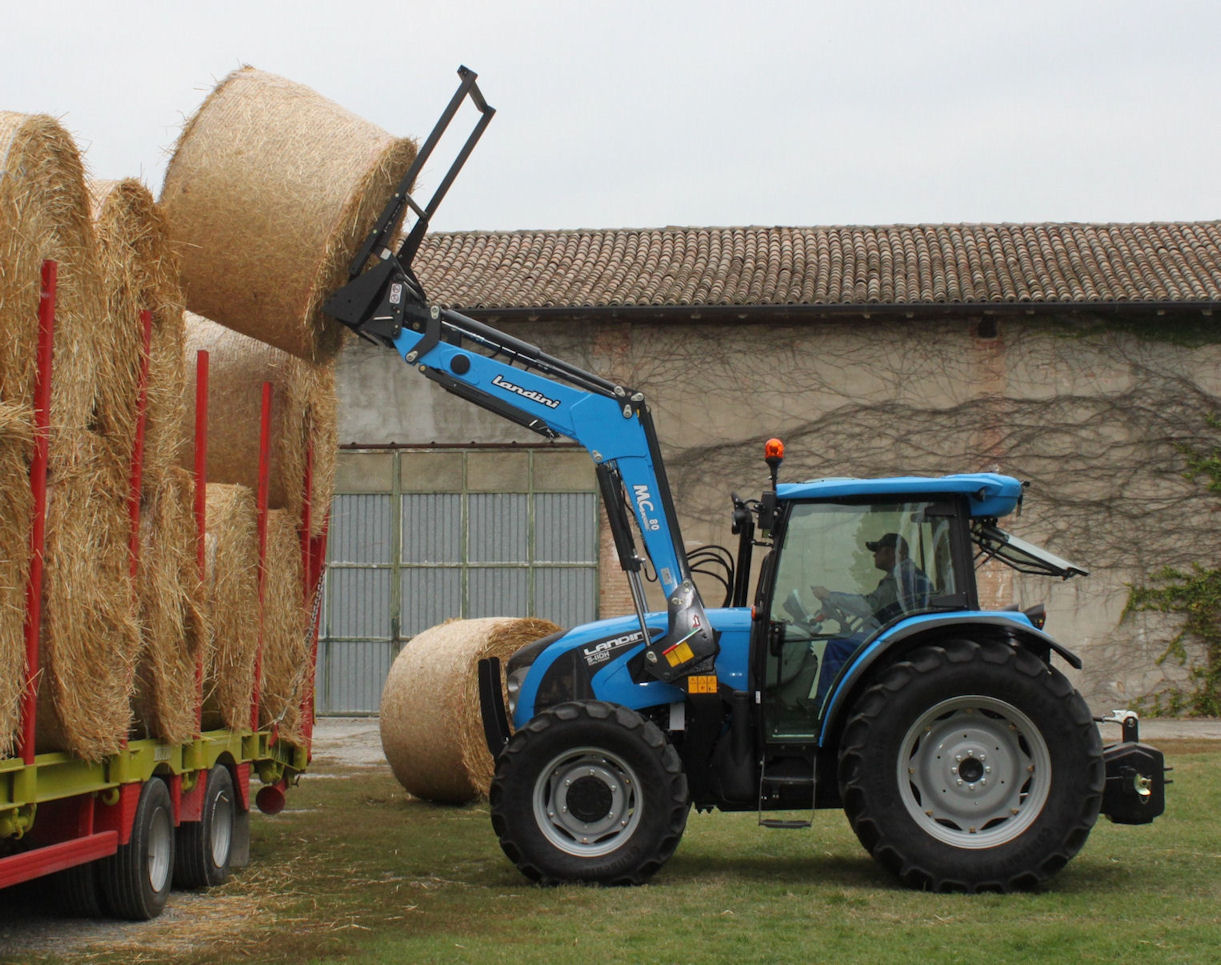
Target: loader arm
{"type": "Point", "coordinates": [385, 303]}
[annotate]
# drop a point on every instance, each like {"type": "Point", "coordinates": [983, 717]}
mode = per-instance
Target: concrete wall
{"type": "Point", "coordinates": [1094, 415]}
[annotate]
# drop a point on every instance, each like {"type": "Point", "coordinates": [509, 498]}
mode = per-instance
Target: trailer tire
{"type": "Point", "coordinates": [971, 766]}
{"type": "Point", "coordinates": [75, 891]}
{"type": "Point", "coordinates": [589, 791]}
{"type": "Point", "coordinates": [136, 879]}
{"type": "Point", "coordinates": [204, 848]}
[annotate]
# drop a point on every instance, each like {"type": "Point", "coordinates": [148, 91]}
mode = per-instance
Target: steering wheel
{"type": "Point", "coordinates": [799, 614]}
{"type": "Point", "coordinates": [848, 622]}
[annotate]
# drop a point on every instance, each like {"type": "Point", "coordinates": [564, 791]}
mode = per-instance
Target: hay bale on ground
{"type": "Point", "coordinates": [44, 213]}
{"type": "Point", "coordinates": [303, 410]}
{"type": "Point", "coordinates": [90, 639]}
{"type": "Point", "coordinates": [16, 505]}
{"type": "Point", "coordinates": [270, 191]}
{"type": "Point", "coordinates": [432, 732]}
{"type": "Point", "coordinates": [286, 644]}
{"type": "Point", "coordinates": [172, 611]}
{"type": "Point", "coordinates": [139, 272]}
{"type": "Point", "coordinates": [233, 605]}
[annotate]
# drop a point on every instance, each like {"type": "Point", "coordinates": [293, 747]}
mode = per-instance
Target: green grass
{"type": "Point", "coordinates": [356, 872]}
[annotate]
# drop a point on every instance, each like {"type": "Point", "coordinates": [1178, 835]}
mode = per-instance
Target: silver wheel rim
{"type": "Point", "coordinates": [160, 849]}
{"type": "Point", "coordinates": [222, 830]}
{"type": "Point", "coordinates": [974, 772]}
{"type": "Point", "coordinates": [587, 802]}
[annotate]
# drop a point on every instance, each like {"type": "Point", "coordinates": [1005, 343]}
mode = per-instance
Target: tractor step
{"type": "Point", "coordinates": [795, 824]}
{"type": "Point", "coordinates": [793, 779]}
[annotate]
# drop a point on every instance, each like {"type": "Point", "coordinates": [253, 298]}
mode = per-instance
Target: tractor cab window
{"type": "Point", "coordinates": [845, 572]}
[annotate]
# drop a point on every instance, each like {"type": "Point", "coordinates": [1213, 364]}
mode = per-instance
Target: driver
{"type": "Point", "coordinates": [903, 587]}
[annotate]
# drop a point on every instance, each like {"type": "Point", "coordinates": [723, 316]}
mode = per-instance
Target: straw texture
{"type": "Point", "coordinates": [286, 645]}
{"type": "Point", "coordinates": [303, 408]}
{"type": "Point", "coordinates": [44, 213]}
{"type": "Point", "coordinates": [171, 609]}
{"type": "Point", "coordinates": [269, 193]}
{"type": "Point", "coordinates": [90, 638]}
{"type": "Point", "coordinates": [16, 440]}
{"type": "Point", "coordinates": [431, 729]}
{"type": "Point", "coordinates": [233, 605]}
{"type": "Point", "coordinates": [139, 272]}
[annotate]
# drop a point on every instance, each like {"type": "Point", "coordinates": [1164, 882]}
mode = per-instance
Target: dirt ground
{"type": "Point", "coordinates": [30, 930]}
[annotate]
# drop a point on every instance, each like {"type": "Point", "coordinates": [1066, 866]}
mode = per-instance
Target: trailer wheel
{"type": "Point", "coordinates": [971, 767]}
{"type": "Point", "coordinates": [76, 891]}
{"type": "Point", "coordinates": [136, 879]}
{"type": "Point", "coordinates": [589, 791]}
{"type": "Point", "coordinates": [205, 847]}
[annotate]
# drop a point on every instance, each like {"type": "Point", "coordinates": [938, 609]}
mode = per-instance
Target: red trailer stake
{"type": "Point", "coordinates": [38, 485]}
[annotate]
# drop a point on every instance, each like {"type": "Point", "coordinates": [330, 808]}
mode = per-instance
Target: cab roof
{"type": "Point", "coordinates": [989, 494]}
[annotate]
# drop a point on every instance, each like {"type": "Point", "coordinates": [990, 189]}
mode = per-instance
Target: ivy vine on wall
{"type": "Point", "coordinates": [1195, 594]}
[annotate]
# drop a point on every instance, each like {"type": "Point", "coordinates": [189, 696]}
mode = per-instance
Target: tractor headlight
{"type": "Point", "coordinates": [513, 681]}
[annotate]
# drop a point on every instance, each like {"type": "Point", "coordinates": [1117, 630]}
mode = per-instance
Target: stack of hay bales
{"type": "Point", "coordinates": [431, 728]}
{"type": "Point", "coordinates": [269, 192]}
{"type": "Point", "coordinates": [89, 636]}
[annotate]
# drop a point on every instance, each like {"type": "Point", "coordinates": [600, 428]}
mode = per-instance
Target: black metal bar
{"type": "Point", "coordinates": [611, 486]}
{"type": "Point", "coordinates": [491, 403]}
{"type": "Point", "coordinates": [492, 706]}
{"type": "Point", "coordinates": [409, 246]}
{"type": "Point", "coordinates": [500, 341]}
{"type": "Point", "coordinates": [392, 213]}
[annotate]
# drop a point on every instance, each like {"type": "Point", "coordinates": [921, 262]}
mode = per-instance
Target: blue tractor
{"type": "Point", "coordinates": [859, 673]}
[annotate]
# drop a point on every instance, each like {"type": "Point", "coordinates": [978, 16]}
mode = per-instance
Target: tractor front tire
{"type": "Point", "coordinates": [971, 766]}
{"type": "Point", "coordinates": [589, 791]}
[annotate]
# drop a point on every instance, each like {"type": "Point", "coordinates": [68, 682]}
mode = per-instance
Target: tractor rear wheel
{"type": "Point", "coordinates": [971, 767]}
{"type": "Point", "coordinates": [589, 791]}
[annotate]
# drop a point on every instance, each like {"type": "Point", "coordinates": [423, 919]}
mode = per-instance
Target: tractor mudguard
{"type": "Point", "coordinates": [1014, 625]}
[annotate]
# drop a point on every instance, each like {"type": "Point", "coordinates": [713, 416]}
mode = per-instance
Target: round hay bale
{"type": "Point", "coordinates": [286, 643]}
{"type": "Point", "coordinates": [270, 191]}
{"type": "Point", "coordinates": [44, 213]}
{"type": "Point", "coordinates": [232, 590]}
{"type": "Point", "coordinates": [16, 505]}
{"type": "Point", "coordinates": [139, 272]}
{"type": "Point", "coordinates": [303, 409]}
{"type": "Point", "coordinates": [171, 608]}
{"type": "Point", "coordinates": [90, 639]}
{"type": "Point", "coordinates": [432, 732]}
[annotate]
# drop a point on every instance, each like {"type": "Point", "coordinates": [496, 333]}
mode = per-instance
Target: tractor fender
{"type": "Point", "coordinates": [1015, 629]}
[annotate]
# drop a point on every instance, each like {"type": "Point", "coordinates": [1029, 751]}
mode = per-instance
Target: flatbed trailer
{"type": "Point", "coordinates": [121, 832]}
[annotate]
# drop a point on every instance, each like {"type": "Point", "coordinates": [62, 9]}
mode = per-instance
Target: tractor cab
{"type": "Point", "coordinates": [855, 563]}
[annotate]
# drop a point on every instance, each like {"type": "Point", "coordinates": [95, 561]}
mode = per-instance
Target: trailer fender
{"type": "Point", "coordinates": [1015, 629]}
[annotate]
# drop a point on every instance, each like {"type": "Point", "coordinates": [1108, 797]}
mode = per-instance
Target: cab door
{"type": "Point", "coordinates": [841, 574]}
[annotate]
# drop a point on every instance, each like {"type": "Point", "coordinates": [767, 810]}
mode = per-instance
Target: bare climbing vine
{"type": "Point", "coordinates": [1103, 421]}
{"type": "Point", "coordinates": [1194, 594]}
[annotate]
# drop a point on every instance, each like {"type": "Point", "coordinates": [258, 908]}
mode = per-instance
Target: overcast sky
{"type": "Point", "coordinates": [641, 113]}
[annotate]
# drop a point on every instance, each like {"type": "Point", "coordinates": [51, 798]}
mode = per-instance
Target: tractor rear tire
{"type": "Point", "coordinates": [971, 767]}
{"type": "Point", "coordinates": [589, 791]}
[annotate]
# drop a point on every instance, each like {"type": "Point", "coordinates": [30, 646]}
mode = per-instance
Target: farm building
{"type": "Point", "coordinates": [1082, 358]}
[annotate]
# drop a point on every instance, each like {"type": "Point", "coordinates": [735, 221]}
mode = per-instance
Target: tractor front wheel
{"type": "Point", "coordinates": [971, 767]}
{"type": "Point", "coordinates": [589, 791]}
